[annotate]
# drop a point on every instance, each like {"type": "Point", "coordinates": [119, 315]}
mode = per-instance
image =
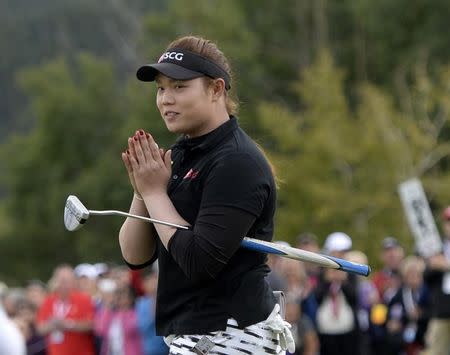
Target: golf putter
{"type": "Point", "coordinates": [76, 215]}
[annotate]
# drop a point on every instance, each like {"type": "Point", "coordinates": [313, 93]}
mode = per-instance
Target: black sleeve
{"type": "Point", "coordinates": [204, 251]}
{"type": "Point", "coordinates": [139, 266]}
{"type": "Point", "coordinates": [234, 195]}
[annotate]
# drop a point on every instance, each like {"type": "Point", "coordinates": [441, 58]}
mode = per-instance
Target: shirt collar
{"type": "Point", "coordinates": [209, 140]}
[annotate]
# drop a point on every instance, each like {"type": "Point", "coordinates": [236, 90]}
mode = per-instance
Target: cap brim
{"type": "Point", "coordinates": [148, 72]}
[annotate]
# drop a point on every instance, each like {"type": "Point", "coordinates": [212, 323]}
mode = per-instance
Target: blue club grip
{"type": "Point", "coordinates": [298, 254]}
{"type": "Point", "coordinates": [348, 266]}
{"type": "Point", "coordinates": [260, 247]}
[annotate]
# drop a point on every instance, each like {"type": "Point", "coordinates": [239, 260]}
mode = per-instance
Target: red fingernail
{"type": "Point", "coordinates": [128, 152]}
{"type": "Point", "coordinates": [135, 138]}
{"type": "Point", "coordinates": [141, 132]}
{"type": "Point", "coordinates": [147, 135]}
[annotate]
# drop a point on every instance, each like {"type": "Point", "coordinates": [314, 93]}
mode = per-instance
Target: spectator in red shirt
{"type": "Point", "coordinates": [66, 317]}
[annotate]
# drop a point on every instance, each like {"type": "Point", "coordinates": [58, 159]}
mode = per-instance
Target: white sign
{"type": "Point", "coordinates": [420, 220]}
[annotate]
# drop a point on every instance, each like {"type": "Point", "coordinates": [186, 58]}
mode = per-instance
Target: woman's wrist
{"type": "Point", "coordinates": [154, 194]}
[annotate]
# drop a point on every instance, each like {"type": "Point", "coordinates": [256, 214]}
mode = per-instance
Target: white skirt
{"type": "Point", "coordinates": [271, 336]}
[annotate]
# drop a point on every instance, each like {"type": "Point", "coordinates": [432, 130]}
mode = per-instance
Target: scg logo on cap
{"type": "Point", "coordinates": [171, 55]}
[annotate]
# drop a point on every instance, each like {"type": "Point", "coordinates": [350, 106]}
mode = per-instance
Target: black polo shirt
{"type": "Point", "coordinates": [223, 186]}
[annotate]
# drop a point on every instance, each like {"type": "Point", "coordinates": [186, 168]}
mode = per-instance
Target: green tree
{"type": "Point", "coordinates": [74, 148]}
{"type": "Point", "coordinates": [84, 117]}
{"type": "Point", "coordinates": [341, 149]}
{"type": "Point", "coordinates": [339, 169]}
{"type": "Point", "coordinates": [33, 33]}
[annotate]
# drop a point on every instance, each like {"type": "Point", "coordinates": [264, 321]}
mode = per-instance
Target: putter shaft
{"type": "Point", "coordinates": [125, 214]}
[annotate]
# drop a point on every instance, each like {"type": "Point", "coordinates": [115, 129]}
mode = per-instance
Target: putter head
{"type": "Point", "coordinates": [75, 214]}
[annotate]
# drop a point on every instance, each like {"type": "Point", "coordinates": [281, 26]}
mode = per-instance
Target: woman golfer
{"type": "Point", "coordinates": [212, 295]}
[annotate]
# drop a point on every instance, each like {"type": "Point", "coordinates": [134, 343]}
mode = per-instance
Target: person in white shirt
{"type": "Point", "coordinates": [12, 341]}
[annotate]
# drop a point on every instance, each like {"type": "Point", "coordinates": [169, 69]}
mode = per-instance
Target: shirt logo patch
{"type": "Point", "coordinates": [191, 174]}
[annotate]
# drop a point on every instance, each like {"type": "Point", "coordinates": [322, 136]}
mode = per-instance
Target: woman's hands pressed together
{"type": "Point", "coordinates": [149, 170]}
{"type": "Point", "coordinates": [149, 167]}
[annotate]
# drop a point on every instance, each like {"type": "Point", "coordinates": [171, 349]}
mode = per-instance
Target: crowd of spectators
{"type": "Point", "coordinates": [92, 309]}
{"type": "Point", "coordinates": [403, 308]}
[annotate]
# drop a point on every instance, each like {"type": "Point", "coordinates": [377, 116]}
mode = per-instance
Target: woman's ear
{"type": "Point", "coordinates": [217, 88]}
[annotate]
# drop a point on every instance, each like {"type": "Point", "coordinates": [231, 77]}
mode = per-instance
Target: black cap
{"type": "Point", "coordinates": [181, 64]}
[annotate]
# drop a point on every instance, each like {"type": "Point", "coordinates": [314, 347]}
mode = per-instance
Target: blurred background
{"type": "Point", "coordinates": [348, 98]}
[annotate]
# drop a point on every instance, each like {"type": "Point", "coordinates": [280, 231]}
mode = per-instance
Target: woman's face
{"type": "Point", "coordinates": [185, 105]}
